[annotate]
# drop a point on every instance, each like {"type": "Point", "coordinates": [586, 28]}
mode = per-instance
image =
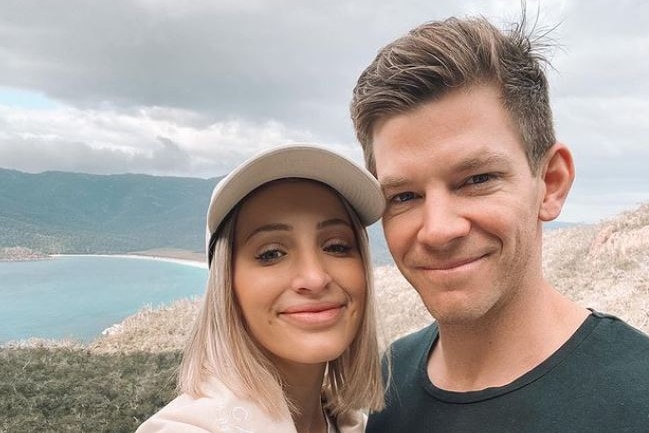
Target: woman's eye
{"type": "Point", "coordinates": [338, 248]}
{"type": "Point", "coordinates": [403, 197]}
{"type": "Point", "coordinates": [270, 255]}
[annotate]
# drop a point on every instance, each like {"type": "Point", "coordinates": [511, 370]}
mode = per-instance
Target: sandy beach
{"type": "Point", "coordinates": [181, 257]}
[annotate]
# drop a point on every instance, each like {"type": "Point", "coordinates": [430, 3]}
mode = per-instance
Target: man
{"type": "Point", "coordinates": [455, 122]}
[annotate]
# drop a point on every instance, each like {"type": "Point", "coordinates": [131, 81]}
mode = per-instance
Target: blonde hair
{"type": "Point", "coordinates": [220, 346]}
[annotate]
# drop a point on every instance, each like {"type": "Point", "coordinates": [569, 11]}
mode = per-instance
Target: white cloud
{"type": "Point", "coordinates": [191, 88]}
{"type": "Point", "coordinates": [148, 140]}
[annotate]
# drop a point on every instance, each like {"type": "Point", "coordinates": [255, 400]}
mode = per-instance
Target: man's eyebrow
{"type": "Point", "coordinates": [467, 164]}
{"type": "Point", "coordinates": [476, 162]}
{"type": "Point", "coordinates": [269, 228]}
{"type": "Point", "coordinates": [392, 182]}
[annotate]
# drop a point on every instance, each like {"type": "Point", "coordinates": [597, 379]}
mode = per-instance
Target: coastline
{"type": "Point", "coordinates": [20, 254]}
{"type": "Point", "coordinates": [153, 255]}
{"type": "Point", "coordinates": [176, 256]}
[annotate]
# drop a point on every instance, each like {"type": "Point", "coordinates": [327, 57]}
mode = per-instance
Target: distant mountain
{"type": "Point", "coordinates": [56, 212]}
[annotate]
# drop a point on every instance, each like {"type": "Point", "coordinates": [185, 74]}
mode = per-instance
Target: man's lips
{"type": "Point", "coordinates": [449, 265]}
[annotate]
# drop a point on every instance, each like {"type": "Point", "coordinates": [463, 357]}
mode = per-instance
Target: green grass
{"type": "Point", "coordinates": [73, 390]}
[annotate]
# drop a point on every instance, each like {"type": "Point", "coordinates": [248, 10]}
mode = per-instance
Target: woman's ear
{"type": "Point", "coordinates": [557, 174]}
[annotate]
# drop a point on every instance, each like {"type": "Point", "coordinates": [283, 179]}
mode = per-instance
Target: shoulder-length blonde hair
{"type": "Point", "coordinates": [220, 346]}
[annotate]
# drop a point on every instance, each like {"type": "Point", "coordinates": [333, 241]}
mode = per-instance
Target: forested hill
{"type": "Point", "coordinates": [56, 212]}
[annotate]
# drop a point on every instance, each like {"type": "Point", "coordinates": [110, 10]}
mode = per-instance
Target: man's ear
{"type": "Point", "coordinates": [557, 173]}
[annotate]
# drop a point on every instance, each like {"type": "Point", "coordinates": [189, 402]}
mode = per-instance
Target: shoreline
{"type": "Point", "coordinates": [180, 257]}
{"type": "Point", "coordinates": [141, 256]}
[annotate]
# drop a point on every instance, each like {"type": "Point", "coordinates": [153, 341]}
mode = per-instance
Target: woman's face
{"type": "Point", "coordinates": [298, 273]}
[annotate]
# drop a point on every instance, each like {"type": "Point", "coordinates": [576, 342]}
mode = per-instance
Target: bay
{"type": "Point", "coordinates": [79, 296]}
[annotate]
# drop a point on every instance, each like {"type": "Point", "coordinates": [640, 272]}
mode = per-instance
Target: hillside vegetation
{"type": "Point", "coordinates": [604, 266]}
{"type": "Point", "coordinates": [56, 212]}
{"type": "Point", "coordinates": [73, 390]}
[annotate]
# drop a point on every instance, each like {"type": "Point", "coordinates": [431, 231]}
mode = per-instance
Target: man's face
{"type": "Point", "coordinates": [462, 220]}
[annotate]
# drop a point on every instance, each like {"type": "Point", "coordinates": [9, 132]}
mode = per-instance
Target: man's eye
{"type": "Point", "coordinates": [269, 255]}
{"type": "Point", "coordinates": [479, 178]}
{"type": "Point", "coordinates": [402, 197]}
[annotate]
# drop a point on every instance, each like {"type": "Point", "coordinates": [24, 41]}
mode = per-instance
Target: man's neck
{"type": "Point", "coordinates": [504, 345]}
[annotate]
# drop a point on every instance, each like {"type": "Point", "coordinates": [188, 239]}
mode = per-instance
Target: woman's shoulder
{"type": "Point", "coordinates": [219, 410]}
{"type": "Point", "coordinates": [184, 414]}
{"type": "Point", "coordinates": [351, 422]}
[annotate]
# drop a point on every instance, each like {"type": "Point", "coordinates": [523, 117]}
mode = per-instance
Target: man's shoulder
{"type": "Point", "coordinates": [619, 331]}
{"type": "Point", "coordinates": [417, 341]}
{"type": "Point", "coordinates": [614, 356]}
{"type": "Point", "coordinates": [404, 366]}
{"type": "Point", "coordinates": [624, 342]}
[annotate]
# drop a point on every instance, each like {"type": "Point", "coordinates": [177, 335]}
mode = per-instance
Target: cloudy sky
{"type": "Point", "coordinates": [186, 88]}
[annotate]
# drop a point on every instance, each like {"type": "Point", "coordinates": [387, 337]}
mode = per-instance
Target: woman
{"type": "Point", "coordinates": [285, 339]}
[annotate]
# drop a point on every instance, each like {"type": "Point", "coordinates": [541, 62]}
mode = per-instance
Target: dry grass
{"type": "Point", "coordinates": [45, 389]}
{"type": "Point", "coordinates": [163, 329]}
{"type": "Point", "coordinates": [43, 343]}
{"type": "Point", "coordinates": [603, 266]}
{"type": "Point", "coordinates": [400, 310]}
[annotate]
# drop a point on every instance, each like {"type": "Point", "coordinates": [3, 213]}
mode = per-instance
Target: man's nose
{"type": "Point", "coordinates": [442, 221]}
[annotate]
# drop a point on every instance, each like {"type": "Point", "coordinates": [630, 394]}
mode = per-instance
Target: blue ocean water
{"type": "Point", "coordinates": [78, 297]}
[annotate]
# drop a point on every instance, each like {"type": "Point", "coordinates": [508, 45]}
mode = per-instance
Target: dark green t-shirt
{"type": "Point", "coordinates": [598, 381]}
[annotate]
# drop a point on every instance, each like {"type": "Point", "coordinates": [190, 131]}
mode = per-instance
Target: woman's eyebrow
{"type": "Point", "coordinates": [333, 222]}
{"type": "Point", "coordinates": [269, 228]}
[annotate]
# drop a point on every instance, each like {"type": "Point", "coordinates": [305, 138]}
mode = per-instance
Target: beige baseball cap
{"type": "Point", "coordinates": [306, 161]}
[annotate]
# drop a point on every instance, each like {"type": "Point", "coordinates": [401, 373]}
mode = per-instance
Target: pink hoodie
{"type": "Point", "coordinates": [223, 412]}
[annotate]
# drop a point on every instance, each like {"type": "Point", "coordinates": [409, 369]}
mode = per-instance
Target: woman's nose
{"type": "Point", "coordinates": [311, 274]}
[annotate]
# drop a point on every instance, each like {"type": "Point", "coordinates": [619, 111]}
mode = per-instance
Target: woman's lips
{"type": "Point", "coordinates": [313, 314]}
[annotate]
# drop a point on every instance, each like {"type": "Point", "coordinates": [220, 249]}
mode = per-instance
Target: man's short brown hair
{"type": "Point", "coordinates": [441, 56]}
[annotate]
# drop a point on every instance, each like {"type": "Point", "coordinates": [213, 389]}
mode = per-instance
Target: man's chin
{"type": "Point", "coordinates": [458, 307]}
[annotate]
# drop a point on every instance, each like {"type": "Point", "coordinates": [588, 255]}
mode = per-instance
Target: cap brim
{"type": "Point", "coordinates": [306, 161]}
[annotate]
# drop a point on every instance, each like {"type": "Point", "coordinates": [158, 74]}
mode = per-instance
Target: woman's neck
{"type": "Point", "coordinates": [303, 387]}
